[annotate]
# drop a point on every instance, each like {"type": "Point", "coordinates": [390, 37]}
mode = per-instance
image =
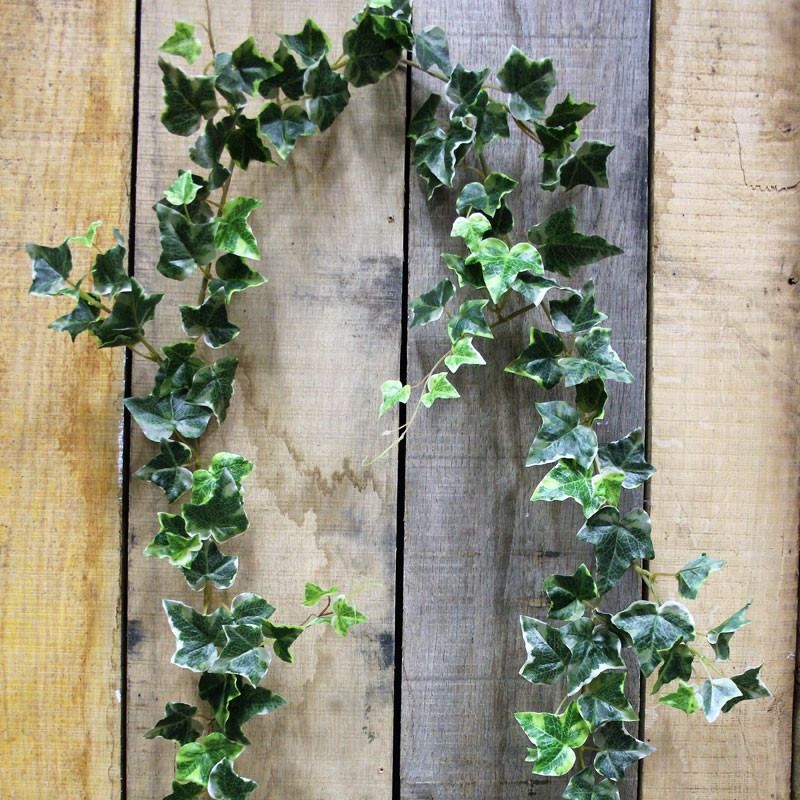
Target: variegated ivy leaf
{"type": "Point", "coordinates": [471, 229]}
{"type": "Point", "coordinates": [677, 663]}
{"type": "Point", "coordinates": [159, 418]}
{"type": "Point", "coordinates": [209, 320]}
{"type": "Point", "coordinates": [720, 636]}
{"type": "Point", "coordinates": [166, 470]}
{"type": "Point", "coordinates": [692, 576]}
{"type": "Point", "coordinates": [564, 250]}
{"type": "Point", "coordinates": [750, 686]}
{"type": "Point", "coordinates": [463, 352]}
{"type": "Point", "coordinates": [533, 288]}
{"type": "Point", "coordinates": [284, 637]}
{"type": "Point", "coordinates": [225, 784]}
{"type": "Point", "coordinates": [251, 609]}
{"type": "Point", "coordinates": [209, 564]}
{"type": "Point", "coordinates": [172, 541]}
{"type": "Point", "coordinates": [244, 145]}
{"type": "Point", "coordinates": [569, 480]}
{"type": "Point", "coordinates": [314, 593]}
{"type": "Point", "coordinates": [468, 275]}
{"type": "Point", "coordinates": [618, 750]}
{"type": "Point", "coordinates": [183, 190]}
{"type": "Point", "coordinates": [603, 700]}
{"type": "Point", "coordinates": [556, 139]}
{"type": "Point", "coordinates": [283, 127]}
{"type": "Point", "coordinates": [132, 309]}
{"type": "Point", "coordinates": [188, 99]}
{"type": "Point", "coordinates": [438, 388]}
{"type": "Point", "coordinates": [577, 313]}
{"type": "Point", "coordinates": [370, 56]}
{"type": "Point", "coordinates": [491, 121]}
{"type": "Point", "coordinates": [586, 166]}
{"type": "Point", "coordinates": [463, 88]}
{"type": "Point", "coordinates": [209, 146]}
{"type": "Point", "coordinates": [289, 80]}
{"type": "Point", "coordinates": [469, 321]}
{"type": "Point", "coordinates": [539, 360]}
{"type": "Point", "coordinates": [590, 400]}
{"type": "Point", "coordinates": [627, 454]}
{"type": "Point", "coordinates": [487, 196]}
{"type": "Point", "coordinates": [716, 693]}
{"type": "Point", "coordinates": [594, 650]}
{"type": "Point", "coordinates": [182, 42]}
{"type": "Point", "coordinates": [567, 111]}
{"type": "Point", "coordinates": [655, 629]}
{"type": "Point", "coordinates": [429, 306]}
{"type": "Point", "coordinates": [595, 359]}
{"type": "Point", "coordinates": [327, 92]}
{"type": "Point", "coordinates": [252, 67]}
{"type": "Point", "coordinates": [242, 653]}
{"type": "Point", "coordinates": [567, 593]}
{"type": "Point", "coordinates": [212, 386]}
{"type": "Point", "coordinates": [87, 239]}
{"type": "Point", "coordinates": [561, 436]}
{"type": "Point", "coordinates": [345, 616]}
{"type": "Point", "coordinates": [177, 370]}
{"type": "Point", "coordinates": [556, 737]}
{"type": "Point", "coordinates": [185, 244]}
{"type": "Point", "coordinates": [109, 275]}
{"type": "Point", "coordinates": [233, 275]}
{"type": "Point", "coordinates": [501, 265]}
{"type": "Point", "coordinates": [439, 151]}
{"type": "Point", "coordinates": [618, 542]}
{"type": "Point", "coordinates": [196, 635]}
{"type": "Point", "coordinates": [194, 761]}
{"type": "Point", "coordinates": [431, 50]}
{"type": "Point", "coordinates": [548, 656]}
{"type": "Point", "coordinates": [216, 508]}
{"type": "Point", "coordinates": [587, 785]}
{"type": "Point", "coordinates": [311, 44]}
{"type": "Point", "coordinates": [425, 118]}
{"type": "Point", "coordinates": [528, 82]}
{"type": "Point", "coordinates": [391, 19]}
{"type": "Point", "coordinates": [393, 393]}
{"type": "Point", "coordinates": [233, 233]}
{"type": "Point", "coordinates": [82, 318]}
{"type": "Point", "coordinates": [178, 724]}
{"type": "Point", "coordinates": [51, 267]}
{"type": "Point", "coordinates": [184, 791]}
{"type": "Point", "coordinates": [684, 698]}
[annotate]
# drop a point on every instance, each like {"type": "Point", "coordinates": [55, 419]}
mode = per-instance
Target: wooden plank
{"type": "Point", "coordinates": [66, 160]}
{"type": "Point", "coordinates": [476, 550]}
{"type": "Point", "coordinates": [724, 366]}
{"type": "Point", "coordinates": [311, 346]}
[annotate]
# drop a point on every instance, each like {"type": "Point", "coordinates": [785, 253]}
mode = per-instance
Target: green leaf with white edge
{"type": "Point", "coordinates": [532, 287]}
{"type": "Point", "coordinates": [556, 737]}
{"type": "Point", "coordinates": [87, 239]}
{"type": "Point", "coordinates": [684, 698]}
{"type": "Point", "coordinates": [251, 609]}
{"type": "Point", "coordinates": [491, 121]}
{"type": "Point", "coordinates": [424, 120]}
{"type": "Point", "coordinates": [345, 616]}
{"type": "Point", "coordinates": [567, 593]}
{"type": "Point", "coordinates": [393, 393]}
{"type": "Point", "coordinates": [185, 244]}
{"type": "Point", "coordinates": [750, 685]}
{"type": "Point", "coordinates": [233, 233]}
{"type": "Point", "coordinates": [604, 700]}
{"type": "Point", "coordinates": [431, 49]}
{"type": "Point", "coordinates": [188, 99]}
{"type": "Point", "coordinates": [177, 370]}
{"type": "Point", "coordinates": [429, 306]}
{"type": "Point", "coordinates": [529, 83]}
{"type": "Point", "coordinates": [219, 691]}
{"type": "Point", "coordinates": [211, 565]}
{"type": "Point", "coordinates": [82, 318]}
{"type": "Point", "coordinates": [166, 470]}
{"type": "Point", "coordinates": [311, 44]}
{"type": "Point", "coordinates": [173, 542]}
{"type": "Point", "coordinates": [370, 56]}
{"type": "Point", "coordinates": [561, 436]}
{"type": "Point", "coordinates": [715, 693]}
{"type": "Point", "coordinates": [233, 275]}
{"type": "Point", "coordinates": [209, 146]}
{"type": "Point", "coordinates": [618, 750]}
{"type": "Point", "coordinates": [212, 386]}
{"type": "Point", "coordinates": [548, 656]}
{"type": "Point", "coordinates": [160, 417]}
{"type": "Point", "coordinates": [569, 480]}
{"type": "Point", "coordinates": [440, 151]}
{"type": "Point", "coordinates": [178, 724]}
{"type": "Point", "coordinates": [183, 190]}
{"type": "Point", "coordinates": [586, 166]}
{"type": "Point", "coordinates": [463, 87]}
{"type": "Point", "coordinates": [564, 250]}
{"type": "Point", "coordinates": [556, 140]}
{"type": "Point", "coordinates": [250, 702]}
{"type": "Point", "coordinates": [471, 229]}
{"type": "Point", "coordinates": [219, 514]}
{"type": "Point", "coordinates": [539, 360]}
{"type": "Point", "coordinates": [720, 636]}
{"type": "Point", "coordinates": [655, 629]}
{"type": "Point", "coordinates": [618, 542]}
{"type": "Point", "coordinates": [590, 400]}
{"type": "Point", "coordinates": [182, 42]}
{"type": "Point", "coordinates": [225, 784]}
{"type": "Point", "coordinates": [283, 127]}
{"type": "Point", "coordinates": [284, 637]}
{"type": "Point", "coordinates": [438, 388]}
{"type": "Point", "coordinates": [244, 145]}
{"type": "Point", "coordinates": [242, 72]}
{"type": "Point", "coordinates": [694, 574]}
{"type": "Point", "coordinates": [184, 791]}
{"type": "Point", "coordinates": [577, 313]}
{"type": "Point", "coordinates": [593, 649]}
{"type": "Point", "coordinates": [501, 265]}
{"type": "Point", "coordinates": [195, 633]}
{"type": "Point", "coordinates": [194, 761]}
{"type": "Point", "coordinates": [567, 111]}
{"type": "Point", "coordinates": [289, 80]}
{"type": "Point", "coordinates": [627, 454]}
{"type": "Point", "coordinates": [463, 352]}
{"type": "Point", "coordinates": [51, 267]}
{"type": "Point", "coordinates": [242, 653]}
{"type": "Point", "coordinates": [469, 321]}
{"type": "Point", "coordinates": [327, 92]}
{"type": "Point", "coordinates": [595, 359]}
{"type": "Point", "coordinates": [209, 320]}
{"type": "Point", "coordinates": [314, 593]}
{"type": "Point", "coordinates": [677, 663]}
{"type": "Point", "coordinates": [471, 275]}
{"type": "Point", "coordinates": [109, 275]}
{"type": "Point", "coordinates": [587, 785]}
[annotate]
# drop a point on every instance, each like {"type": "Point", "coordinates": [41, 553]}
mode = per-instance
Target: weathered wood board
{"type": "Point", "coordinates": [67, 103]}
{"type": "Point", "coordinates": [726, 235]}
{"type": "Point", "coordinates": [476, 549]}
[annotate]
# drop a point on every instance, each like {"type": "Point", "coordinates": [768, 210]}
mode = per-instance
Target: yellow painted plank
{"type": "Point", "coordinates": [724, 367]}
{"type": "Point", "coordinates": [66, 134]}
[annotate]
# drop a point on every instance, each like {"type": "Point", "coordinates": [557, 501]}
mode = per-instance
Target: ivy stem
{"type": "Point", "coordinates": [340, 63]}
{"type": "Point", "coordinates": [155, 355]}
{"type": "Point", "coordinates": [208, 30]}
{"type": "Point", "coordinates": [518, 313]}
{"type": "Point", "coordinates": [208, 596]}
{"type": "Point", "coordinates": [440, 76]}
{"type": "Point", "coordinates": [312, 615]}
{"type": "Point", "coordinates": [527, 131]}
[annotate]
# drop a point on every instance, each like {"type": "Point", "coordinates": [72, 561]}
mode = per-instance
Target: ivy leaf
{"type": "Point", "coordinates": [750, 686]}
{"type": "Point", "coordinates": [556, 139]}
{"type": "Point", "coordinates": [216, 508]}
{"type": "Point", "coordinates": [212, 386]}
{"type": "Point", "coordinates": [563, 250]}
{"type": "Point", "coordinates": [596, 359]}
{"type": "Point", "coordinates": [178, 724]}
{"type": "Point", "coordinates": [684, 698]}
{"type": "Point", "coordinates": [429, 306]}
{"type": "Point", "coordinates": [627, 454]}
{"type": "Point", "coordinates": [250, 702]}
{"type": "Point", "coordinates": [487, 196]}
{"type": "Point", "coordinates": [592, 492]}
{"type": "Point", "coordinates": [677, 663]}
{"type": "Point", "coordinates": [207, 149]}
{"type": "Point", "coordinates": [440, 151]}
{"type": "Point", "coordinates": [568, 592]}
{"type": "Point", "coordinates": [125, 324]}
{"type": "Point", "coordinates": [238, 466]}
{"type": "Point", "coordinates": [528, 82]}
{"type": "Point", "coordinates": [467, 275]}
{"type": "Point", "coordinates": [567, 111]}
{"type": "Point", "coordinates": [283, 127]}
{"type": "Point", "coordinates": [195, 634]}
{"type": "Point", "coordinates": [194, 761]}
{"type": "Point", "coordinates": [618, 750]}
{"type": "Point", "coordinates": [311, 44]}
{"type": "Point", "coordinates": [82, 318]}
{"type": "Point", "coordinates": [594, 650]}
{"type": "Point", "coordinates": [289, 81]}
{"type": "Point", "coordinates": [233, 275]}
{"type": "Point", "coordinates": [314, 593]}
{"type": "Point", "coordinates": [538, 361]}
{"type": "Point", "coordinates": [188, 99]}
{"type": "Point", "coordinates": [184, 791]}
{"type": "Point", "coordinates": [425, 118]}
{"type": "Point", "coordinates": [655, 629]}
{"type": "Point", "coordinates": [109, 276]}
{"type": "Point", "coordinates": [345, 616]}
{"type": "Point", "coordinates": [370, 55]}
{"type": "Point", "coordinates": [585, 786]}
{"type": "Point", "coordinates": [242, 653]}
{"type": "Point", "coordinates": [471, 229]}
{"type": "Point", "coordinates": [695, 574]}
{"type": "Point", "coordinates": [720, 636]}
{"type": "Point", "coordinates": [225, 784]}
{"type": "Point", "coordinates": [603, 700]}
{"type": "Point", "coordinates": [561, 436]}
{"type": "Point", "coordinates": [159, 418]}
{"type": "Point", "coordinates": [233, 233]}
{"type": "Point", "coordinates": [469, 321]}
{"type": "Point", "coordinates": [491, 121]}
{"type": "Point", "coordinates": [548, 656]}
{"type": "Point", "coordinates": [166, 469]}
{"type": "Point", "coordinates": [183, 190]}
{"type": "Point", "coordinates": [715, 693]}
{"type": "Point", "coordinates": [244, 144]}
{"type": "Point", "coordinates": [244, 70]}
{"type": "Point", "coordinates": [87, 240]}
{"type": "Point", "coordinates": [556, 736]}
{"type": "Point", "coordinates": [327, 94]}
{"type": "Point", "coordinates": [209, 564]}
{"type": "Point", "coordinates": [577, 313]}
{"type": "Point", "coordinates": [251, 609]}
{"type": "Point", "coordinates": [431, 50]}
{"type": "Point", "coordinates": [533, 288]}
{"type": "Point", "coordinates": [586, 166]}
{"type": "Point", "coordinates": [176, 371]}
{"type": "Point", "coordinates": [393, 393]}
{"type": "Point", "coordinates": [51, 267]}
{"type": "Point", "coordinates": [285, 636]}
{"type": "Point", "coordinates": [463, 88]}
{"type": "Point", "coordinates": [438, 388]}
{"type": "Point", "coordinates": [590, 400]}
{"type": "Point", "coordinates": [463, 352]}
{"type": "Point", "coordinates": [501, 266]}
{"type": "Point", "coordinates": [185, 245]}
{"type": "Point", "coordinates": [182, 42]}
{"type": "Point", "coordinates": [219, 691]}
{"type": "Point", "coordinates": [618, 542]}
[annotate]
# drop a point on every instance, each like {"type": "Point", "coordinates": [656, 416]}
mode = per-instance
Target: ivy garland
{"type": "Point", "coordinates": [206, 232]}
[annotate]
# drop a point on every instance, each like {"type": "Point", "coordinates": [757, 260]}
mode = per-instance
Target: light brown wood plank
{"type": "Point", "coordinates": [66, 134]}
{"type": "Point", "coordinates": [313, 342]}
{"type": "Point", "coordinates": [724, 367]}
{"type": "Point", "coordinates": [477, 551]}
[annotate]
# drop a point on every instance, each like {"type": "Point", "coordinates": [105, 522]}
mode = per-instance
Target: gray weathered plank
{"type": "Point", "coordinates": [476, 550]}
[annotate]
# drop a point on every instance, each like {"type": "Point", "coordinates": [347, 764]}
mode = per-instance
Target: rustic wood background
{"type": "Point", "coordinates": [701, 100]}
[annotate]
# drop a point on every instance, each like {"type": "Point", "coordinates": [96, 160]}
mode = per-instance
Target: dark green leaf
{"type": "Point", "coordinates": [593, 649]}
{"type": "Point", "coordinates": [188, 99]}
{"type": "Point", "coordinates": [184, 791]}
{"type": "Point", "coordinates": [212, 386]}
{"type": "Point", "coordinates": [677, 663]}
{"type": "Point", "coordinates": [241, 72]}
{"type": "Point", "coordinates": [51, 267]}
{"type": "Point", "coordinates": [242, 653]}
{"type": "Point", "coordinates": [195, 634]}
{"type": "Point", "coordinates": [429, 306]}
{"type": "Point", "coordinates": [586, 166]}
{"type": "Point", "coordinates": [569, 480]}
{"type": "Point", "coordinates": [471, 275]}
{"type": "Point", "coordinates": [556, 140]}
{"type": "Point", "coordinates": [125, 324]}
{"type": "Point", "coordinates": [285, 636]}
{"type": "Point", "coordinates": [166, 469]}
{"type": "Point", "coordinates": [463, 88]}
{"type": "Point", "coordinates": [370, 55]}
{"type": "Point", "coordinates": [176, 371]}
{"type": "Point", "coordinates": [194, 761]}
{"type": "Point", "coordinates": [431, 50]}
{"type": "Point", "coordinates": [216, 508]}
{"type": "Point", "coordinates": [109, 276]}
{"type": "Point", "coordinates": [185, 244]}
{"type": "Point", "coordinates": [209, 564]}
{"type": "Point", "coordinates": [590, 399]}
{"type": "Point", "coordinates": [603, 700]}
{"type": "Point", "coordinates": [750, 686]}
{"type": "Point", "coordinates": [486, 196]}
{"type": "Point", "coordinates": [720, 636]}
{"type": "Point", "coordinates": [207, 150]}
{"type": "Point", "coordinates": [245, 145]}
{"type": "Point", "coordinates": [491, 121]}
{"type": "Point", "coordinates": [439, 151]}
{"type": "Point", "coordinates": [233, 275]}
{"type": "Point", "coordinates": [548, 656]}
{"type": "Point", "coordinates": [596, 359]}
{"type": "Point", "coordinates": [425, 118]}
{"type": "Point", "coordinates": [561, 436]}
{"type": "Point", "coordinates": [529, 82]}
{"type": "Point", "coordinates": [182, 42]}
{"type": "Point", "coordinates": [311, 44]}
{"type": "Point", "coordinates": [159, 418]}
{"type": "Point", "coordinates": [556, 736]}
{"type": "Point", "coordinates": [82, 318]}
{"type": "Point", "coordinates": [178, 724]}
{"type": "Point", "coordinates": [577, 313]}
{"type": "Point", "coordinates": [469, 321]}
{"type": "Point", "coordinates": [567, 593]}
{"type": "Point", "coordinates": [585, 785]}
{"type": "Point", "coordinates": [289, 81]}
{"type": "Point", "coordinates": [618, 750]}
{"type": "Point", "coordinates": [627, 454]}
{"type": "Point", "coordinates": [695, 574]}
{"type": "Point", "coordinates": [567, 111]}
{"type": "Point", "coordinates": [283, 127]}
{"type": "Point", "coordinates": [250, 702]}
{"type": "Point", "coordinates": [533, 287]}
{"type": "Point", "coordinates": [539, 360]}
{"type": "Point", "coordinates": [225, 784]}
{"type": "Point", "coordinates": [219, 691]}
{"type": "Point", "coordinates": [327, 94]}
{"type": "Point", "coordinates": [233, 233]}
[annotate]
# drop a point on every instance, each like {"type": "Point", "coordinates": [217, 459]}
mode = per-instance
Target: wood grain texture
{"type": "Point", "coordinates": [313, 342]}
{"type": "Point", "coordinates": [67, 100]}
{"type": "Point", "coordinates": [724, 366]}
{"type": "Point", "coordinates": [476, 550]}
